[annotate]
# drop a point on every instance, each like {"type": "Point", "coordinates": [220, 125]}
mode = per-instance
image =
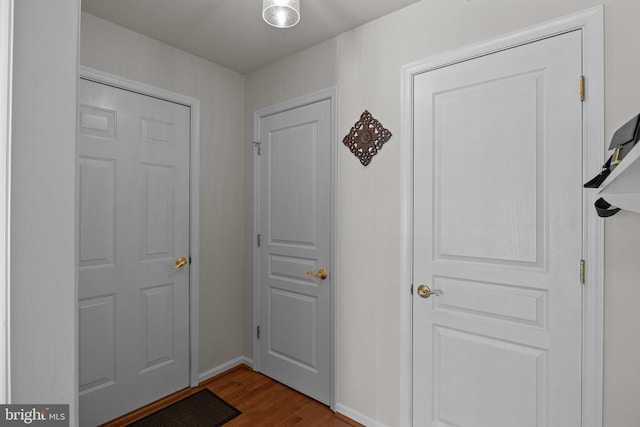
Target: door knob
{"type": "Point", "coordinates": [425, 292]}
{"type": "Point", "coordinates": [321, 274]}
{"type": "Point", "coordinates": [180, 262]}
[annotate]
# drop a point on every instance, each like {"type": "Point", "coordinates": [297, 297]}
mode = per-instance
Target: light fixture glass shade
{"type": "Point", "coordinates": [281, 13]}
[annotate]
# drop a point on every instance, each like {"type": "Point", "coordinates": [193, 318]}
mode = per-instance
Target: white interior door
{"type": "Point", "coordinates": [133, 223]}
{"type": "Point", "coordinates": [498, 235]}
{"type": "Point", "coordinates": [295, 238]}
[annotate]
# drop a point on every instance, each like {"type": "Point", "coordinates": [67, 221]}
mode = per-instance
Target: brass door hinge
{"type": "Point", "coordinates": [582, 88]}
{"type": "Point", "coordinates": [582, 268]}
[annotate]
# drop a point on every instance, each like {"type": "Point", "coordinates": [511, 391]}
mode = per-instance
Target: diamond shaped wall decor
{"type": "Point", "coordinates": [366, 137]}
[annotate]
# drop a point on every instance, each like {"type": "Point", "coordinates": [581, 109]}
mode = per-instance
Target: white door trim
{"type": "Point", "coordinates": [194, 199]}
{"type": "Point", "coordinates": [591, 23]}
{"type": "Point", "coordinates": [6, 53]}
{"type": "Point", "coordinates": [332, 95]}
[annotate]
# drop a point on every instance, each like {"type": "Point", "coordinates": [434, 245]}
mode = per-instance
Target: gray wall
{"type": "Point", "coordinates": [43, 244]}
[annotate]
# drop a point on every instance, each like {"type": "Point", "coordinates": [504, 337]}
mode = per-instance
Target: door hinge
{"type": "Point", "coordinates": [258, 332]}
{"type": "Point", "coordinates": [582, 274]}
{"type": "Point", "coordinates": [258, 240]}
{"type": "Point", "coordinates": [257, 145]}
{"type": "Point", "coordinates": [582, 89]}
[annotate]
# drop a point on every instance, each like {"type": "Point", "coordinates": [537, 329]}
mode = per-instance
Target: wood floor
{"type": "Point", "coordinates": [262, 401]}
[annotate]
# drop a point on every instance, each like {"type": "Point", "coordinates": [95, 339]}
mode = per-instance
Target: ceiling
{"type": "Point", "coordinates": [232, 33]}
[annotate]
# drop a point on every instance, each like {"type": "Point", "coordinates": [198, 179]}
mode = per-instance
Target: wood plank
{"type": "Point", "coordinates": [262, 401]}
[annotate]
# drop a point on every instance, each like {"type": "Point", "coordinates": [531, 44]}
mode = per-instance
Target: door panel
{"type": "Point", "coordinates": [497, 234]}
{"type": "Point", "coordinates": [485, 229]}
{"type": "Point", "coordinates": [133, 224]}
{"type": "Point", "coordinates": [97, 336]}
{"type": "Point", "coordinates": [97, 212]}
{"type": "Point", "coordinates": [476, 391]}
{"type": "Point", "coordinates": [157, 211]}
{"type": "Point", "coordinates": [295, 228]}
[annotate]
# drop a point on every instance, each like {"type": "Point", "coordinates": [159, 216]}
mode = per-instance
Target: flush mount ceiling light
{"type": "Point", "coordinates": [281, 13]}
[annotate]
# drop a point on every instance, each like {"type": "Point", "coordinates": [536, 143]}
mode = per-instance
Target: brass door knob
{"type": "Point", "coordinates": [425, 292]}
{"type": "Point", "coordinates": [180, 262]}
{"type": "Point", "coordinates": [321, 274]}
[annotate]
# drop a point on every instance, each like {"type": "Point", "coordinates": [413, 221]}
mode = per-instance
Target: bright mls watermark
{"type": "Point", "coordinates": [34, 415]}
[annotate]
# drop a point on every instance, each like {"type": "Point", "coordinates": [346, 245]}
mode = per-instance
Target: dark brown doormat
{"type": "Point", "coordinates": [203, 409]}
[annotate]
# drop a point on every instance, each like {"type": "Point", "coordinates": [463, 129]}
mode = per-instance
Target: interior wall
{"type": "Point", "coordinates": [43, 183]}
{"type": "Point", "coordinates": [223, 260]}
{"type": "Point", "coordinates": [365, 64]}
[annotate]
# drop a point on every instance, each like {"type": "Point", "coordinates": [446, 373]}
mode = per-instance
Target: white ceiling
{"type": "Point", "coordinates": [231, 33]}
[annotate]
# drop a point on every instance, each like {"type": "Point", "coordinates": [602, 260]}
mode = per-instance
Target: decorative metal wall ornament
{"type": "Point", "coordinates": [366, 137]}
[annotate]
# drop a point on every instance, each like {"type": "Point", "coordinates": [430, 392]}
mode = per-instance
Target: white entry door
{"type": "Point", "coordinates": [133, 224]}
{"type": "Point", "coordinates": [295, 240]}
{"type": "Point", "coordinates": [498, 238]}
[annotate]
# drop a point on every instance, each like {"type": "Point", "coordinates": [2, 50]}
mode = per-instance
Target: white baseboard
{"type": "Point", "coordinates": [225, 367]}
{"type": "Point", "coordinates": [357, 416]}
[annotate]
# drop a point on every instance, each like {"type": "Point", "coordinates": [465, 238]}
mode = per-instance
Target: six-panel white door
{"type": "Point", "coordinates": [295, 227]}
{"type": "Point", "coordinates": [498, 235]}
{"type": "Point", "coordinates": [133, 223]}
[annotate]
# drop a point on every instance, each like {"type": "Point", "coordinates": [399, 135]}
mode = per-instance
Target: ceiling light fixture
{"type": "Point", "coordinates": [281, 13]}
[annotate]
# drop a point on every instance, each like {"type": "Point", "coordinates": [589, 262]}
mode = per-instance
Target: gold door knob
{"type": "Point", "coordinates": [425, 292]}
{"type": "Point", "coordinates": [180, 262]}
{"type": "Point", "coordinates": [321, 274]}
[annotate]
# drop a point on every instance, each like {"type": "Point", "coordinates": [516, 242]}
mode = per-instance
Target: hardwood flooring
{"type": "Point", "coordinates": [262, 401]}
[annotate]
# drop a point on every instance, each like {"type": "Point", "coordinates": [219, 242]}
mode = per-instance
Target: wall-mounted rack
{"type": "Point", "coordinates": [622, 186]}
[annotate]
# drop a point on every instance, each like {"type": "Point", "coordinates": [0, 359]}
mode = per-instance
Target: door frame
{"type": "Point", "coordinates": [194, 195]}
{"type": "Point", "coordinates": [591, 23]}
{"type": "Point", "coordinates": [330, 94]}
